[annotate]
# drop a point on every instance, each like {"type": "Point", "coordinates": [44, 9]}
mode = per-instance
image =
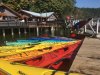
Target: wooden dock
{"type": "Point", "coordinates": [12, 25]}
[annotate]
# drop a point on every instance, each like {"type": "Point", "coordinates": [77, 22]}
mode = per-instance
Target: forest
{"type": "Point", "coordinates": [89, 12]}
{"type": "Point", "coordinates": [61, 7]}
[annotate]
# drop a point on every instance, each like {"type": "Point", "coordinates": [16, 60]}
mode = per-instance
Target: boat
{"type": "Point", "coordinates": [19, 43]}
{"type": "Point", "coordinates": [33, 41]}
{"type": "Point", "coordinates": [13, 47]}
{"type": "Point", "coordinates": [37, 46]}
{"type": "Point", "coordinates": [51, 57]}
{"type": "Point", "coordinates": [38, 50]}
{"type": "Point", "coordinates": [9, 68]}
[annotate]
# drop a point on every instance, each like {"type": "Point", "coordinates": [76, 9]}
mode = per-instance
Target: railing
{"type": "Point", "coordinates": [29, 23]}
{"type": "Point", "coordinates": [11, 23]}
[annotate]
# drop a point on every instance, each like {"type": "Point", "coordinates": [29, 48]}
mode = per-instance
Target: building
{"type": "Point", "coordinates": [43, 22]}
{"type": "Point", "coordinates": [27, 21]}
{"type": "Point", "coordinates": [38, 17]}
{"type": "Point", "coordinates": [8, 14]}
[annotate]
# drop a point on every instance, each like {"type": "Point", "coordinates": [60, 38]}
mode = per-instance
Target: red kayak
{"type": "Point", "coordinates": [48, 59]}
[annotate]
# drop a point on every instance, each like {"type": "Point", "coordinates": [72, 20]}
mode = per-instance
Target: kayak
{"type": "Point", "coordinates": [34, 40]}
{"type": "Point", "coordinates": [13, 47]}
{"type": "Point", "coordinates": [48, 38]}
{"type": "Point", "coordinates": [27, 40]}
{"type": "Point", "coordinates": [19, 43]}
{"type": "Point", "coordinates": [51, 57]}
{"type": "Point", "coordinates": [40, 46]}
{"type": "Point", "coordinates": [34, 52]}
{"type": "Point", "coordinates": [9, 68]}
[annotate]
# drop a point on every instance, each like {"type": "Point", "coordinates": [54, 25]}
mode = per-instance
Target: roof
{"type": "Point", "coordinates": [44, 15]}
{"type": "Point", "coordinates": [2, 14]}
{"type": "Point", "coordinates": [12, 11]}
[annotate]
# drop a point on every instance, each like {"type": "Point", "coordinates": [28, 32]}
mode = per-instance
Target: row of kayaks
{"type": "Point", "coordinates": [36, 52]}
{"type": "Point", "coordinates": [34, 41]}
{"type": "Point", "coordinates": [27, 42]}
{"type": "Point", "coordinates": [9, 68]}
{"type": "Point", "coordinates": [37, 48]}
{"type": "Point", "coordinates": [10, 50]}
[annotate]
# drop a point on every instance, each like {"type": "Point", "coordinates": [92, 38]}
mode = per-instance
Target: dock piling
{"type": "Point", "coordinates": [3, 30]}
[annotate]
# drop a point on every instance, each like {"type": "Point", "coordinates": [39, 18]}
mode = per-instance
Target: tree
{"type": "Point", "coordinates": [61, 7]}
{"type": "Point", "coordinates": [89, 13]}
{"type": "Point", "coordinates": [18, 4]}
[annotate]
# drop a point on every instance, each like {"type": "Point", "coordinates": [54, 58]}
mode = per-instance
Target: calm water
{"type": "Point", "coordinates": [32, 33]}
{"type": "Point", "coordinates": [11, 38]}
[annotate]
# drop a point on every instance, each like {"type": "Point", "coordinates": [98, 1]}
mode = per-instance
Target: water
{"type": "Point", "coordinates": [9, 37]}
{"type": "Point", "coordinates": [29, 34]}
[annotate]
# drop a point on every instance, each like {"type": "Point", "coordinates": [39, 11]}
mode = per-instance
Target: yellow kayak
{"type": "Point", "coordinates": [34, 53]}
{"type": "Point", "coordinates": [2, 48]}
{"type": "Point", "coordinates": [36, 47]}
{"type": "Point", "coordinates": [9, 68]}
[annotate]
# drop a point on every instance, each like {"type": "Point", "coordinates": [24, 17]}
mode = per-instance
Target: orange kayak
{"type": "Point", "coordinates": [35, 53]}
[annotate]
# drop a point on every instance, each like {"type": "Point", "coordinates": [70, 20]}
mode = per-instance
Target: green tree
{"type": "Point", "coordinates": [89, 13]}
{"type": "Point", "coordinates": [18, 4]}
{"type": "Point", "coordinates": [61, 7]}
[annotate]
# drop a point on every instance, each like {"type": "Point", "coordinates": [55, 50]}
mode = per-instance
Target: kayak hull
{"type": "Point", "coordinates": [8, 68]}
{"type": "Point", "coordinates": [49, 58]}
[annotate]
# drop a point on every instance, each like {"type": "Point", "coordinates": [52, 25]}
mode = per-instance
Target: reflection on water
{"type": "Point", "coordinates": [31, 33]}
{"type": "Point", "coordinates": [14, 38]}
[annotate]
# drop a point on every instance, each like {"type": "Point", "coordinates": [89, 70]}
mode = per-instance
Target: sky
{"type": "Point", "coordinates": [88, 3]}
